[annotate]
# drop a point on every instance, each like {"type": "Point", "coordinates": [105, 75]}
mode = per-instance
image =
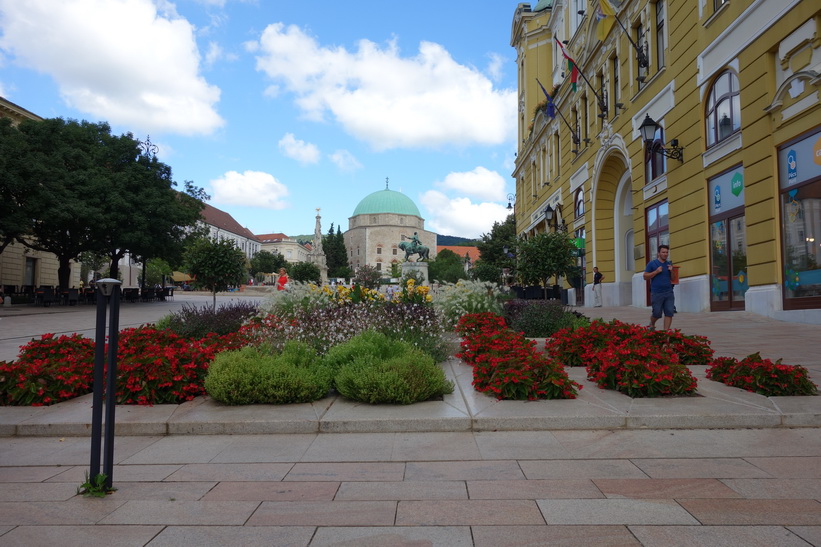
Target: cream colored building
{"type": "Point", "coordinates": [734, 90]}
{"type": "Point", "coordinates": [380, 222]}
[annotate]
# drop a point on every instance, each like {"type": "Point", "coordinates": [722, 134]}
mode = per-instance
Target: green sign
{"type": "Point", "coordinates": [737, 184]}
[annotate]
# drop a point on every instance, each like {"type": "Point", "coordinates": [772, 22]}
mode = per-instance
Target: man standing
{"type": "Point", "coordinates": [659, 272]}
{"type": "Point", "coordinates": [597, 277]}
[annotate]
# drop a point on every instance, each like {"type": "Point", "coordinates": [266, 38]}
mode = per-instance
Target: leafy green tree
{"type": "Point", "coordinates": [156, 271]}
{"type": "Point", "coordinates": [447, 267]}
{"type": "Point", "coordinates": [544, 256]}
{"type": "Point", "coordinates": [265, 262]}
{"type": "Point", "coordinates": [335, 253]}
{"type": "Point", "coordinates": [15, 195]}
{"type": "Point", "coordinates": [215, 265]}
{"type": "Point", "coordinates": [492, 246]}
{"type": "Point", "coordinates": [92, 191]}
{"type": "Point", "coordinates": [367, 276]}
{"type": "Point", "coordinates": [307, 272]}
{"type": "Point", "coordinates": [485, 271]}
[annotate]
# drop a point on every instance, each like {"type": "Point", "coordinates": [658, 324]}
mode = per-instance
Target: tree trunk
{"type": "Point", "coordinates": [215, 300]}
{"type": "Point", "coordinates": [63, 272]}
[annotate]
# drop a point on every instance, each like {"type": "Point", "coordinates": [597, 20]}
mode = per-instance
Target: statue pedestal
{"type": "Point", "coordinates": [421, 267]}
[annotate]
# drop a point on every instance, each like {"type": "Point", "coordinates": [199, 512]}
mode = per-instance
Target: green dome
{"type": "Point", "coordinates": [387, 201]}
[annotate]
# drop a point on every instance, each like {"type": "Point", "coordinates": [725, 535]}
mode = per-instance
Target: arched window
{"type": "Point", "coordinates": [579, 203]}
{"type": "Point", "coordinates": [655, 163]}
{"type": "Point", "coordinates": [723, 116]}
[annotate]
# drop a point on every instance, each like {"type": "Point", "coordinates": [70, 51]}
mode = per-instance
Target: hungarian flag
{"type": "Point", "coordinates": [571, 66]}
{"type": "Point", "coordinates": [605, 15]}
{"type": "Point", "coordinates": [551, 108]}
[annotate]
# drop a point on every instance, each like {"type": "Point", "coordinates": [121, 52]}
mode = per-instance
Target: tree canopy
{"type": "Point", "coordinates": [307, 272]}
{"type": "Point", "coordinates": [216, 265]}
{"type": "Point", "coordinates": [336, 255]}
{"type": "Point", "coordinates": [86, 190]}
{"type": "Point", "coordinates": [544, 256]}
{"type": "Point", "coordinates": [447, 266]}
{"type": "Point", "coordinates": [265, 262]}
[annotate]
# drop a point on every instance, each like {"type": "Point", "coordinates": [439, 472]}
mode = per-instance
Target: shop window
{"type": "Point", "coordinates": [723, 115]}
{"type": "Point", "coordinates": [728, 241]}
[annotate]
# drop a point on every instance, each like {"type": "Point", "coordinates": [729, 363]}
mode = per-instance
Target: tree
{"type": "Point", "coordinates": [485, 271]}
{"type": "Point", "coordinates": [447, 267]}
{"type": "Point", "coordinates": [15, 219]}
{"type": "Point", "coordinates": [544, 256]}
{"type": "Point", "coordinates": [156, 271]}
{"type": "Point", "coordinates": [92, 191]}
{"type": "Point", "coordinates": [265, 262]}
{"type": "Point", "coordinates": [367, 276]}
{"type": "Point", "coordinates": [335, 253]}
{"type": "Point", "coordinates": [307, 272]}
{"type": "Point", "coordinates": [492, 246]}
{"type": "Point", "coordinates": [215, 265]}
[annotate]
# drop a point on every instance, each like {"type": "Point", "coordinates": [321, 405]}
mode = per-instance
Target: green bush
{"type": "Point", "coordinates": [541, 318]}
{"type": "Point", "coordinates": [453, 300]}
{"type": "Point", "coordinates": [251, 376]}
{"type": "Point", "coordinates": [370, 343]}
{"type": "Point", "coordinates": [408, 378]}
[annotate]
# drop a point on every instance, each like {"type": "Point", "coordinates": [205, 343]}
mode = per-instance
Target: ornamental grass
{"type": "Point", "coordinates": [507, 365]}
{"type": "Point", "coordinates": [762, 376]}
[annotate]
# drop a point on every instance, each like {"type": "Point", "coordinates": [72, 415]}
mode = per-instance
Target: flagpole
{"type": "Point", "coordinates": [599, 100]}
{"type": "Point", "coordinates": [641, 57]}
{"type": "Point", "coordinates": [575, 137]}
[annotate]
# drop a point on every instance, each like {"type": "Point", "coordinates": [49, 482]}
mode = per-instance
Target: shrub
{"type": "Point", "coordinates": [369, 342]}
{"type": "Point", "coordinates": [541, 318]}
{"type": "Point", "coordinates": [196, 322]}
{"type": "Point", "coordinates": [252, 376]}
{"type": "Point", "coordinates": [454, 300]}
{"type": "Point", "coordinates": [47, 371]}
{"type": "Point", "coordinates": [407, 378]}
{"type": "Point", "coordinates": [507, 365]}
{"type": "Point", "coordinates": [762, 376]}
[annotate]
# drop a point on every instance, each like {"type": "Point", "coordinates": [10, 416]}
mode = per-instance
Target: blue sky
{"type": "Point", "coordinates": [279, 107]}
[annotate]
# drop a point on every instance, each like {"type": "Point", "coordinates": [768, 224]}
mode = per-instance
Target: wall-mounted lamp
{"type": "Point", "coordinates": [648, 130]}
{"type": "Point", "coordinates": [511, 199]}
{"type": "Point", "coordinates": [565, 42]}
{"type": "Point", "coordinates": [619, 106]}
{"type": "Point", "coordinates": [580, 12]}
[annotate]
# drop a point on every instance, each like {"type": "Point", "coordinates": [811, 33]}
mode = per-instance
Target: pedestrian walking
{"type": "Point", "coordinates": [659, 272]}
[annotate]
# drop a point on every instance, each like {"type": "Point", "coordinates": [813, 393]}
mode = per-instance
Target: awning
{"type": "Point", "coordinates": [179, 277]}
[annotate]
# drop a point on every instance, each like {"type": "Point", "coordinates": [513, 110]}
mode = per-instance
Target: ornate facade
{"type": "Point", "coordinates": [731, 177]}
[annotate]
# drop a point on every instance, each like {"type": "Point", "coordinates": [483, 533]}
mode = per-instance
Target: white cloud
{"type": "Point", "coordinates": [252, 188]}
{"type": "Point", "coordinates": [387, 100]}
{"type": "Point", "coordinates": [298, 150]}
{"type": "Point", "coordinates": [459, 216]}
{"type": "Point", "coordinates": [122, 61]}
{"type": "Point", "coordinates": [480, 183]}
{"type": "Point", "coordinates": [495, 67]}
{"type": "Point", "coordinates": [345, 161]}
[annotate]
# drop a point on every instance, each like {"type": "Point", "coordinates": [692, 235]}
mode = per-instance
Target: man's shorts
{"type": "Point", "coordinates": [664, 302]}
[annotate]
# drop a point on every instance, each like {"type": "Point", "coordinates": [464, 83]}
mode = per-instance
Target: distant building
{"type": "Point", "coordinates": [222, 226]}
{"type": "Point", "coordinates": [379, 223]}
{"type": "Point", "coordinates": [291, 249]}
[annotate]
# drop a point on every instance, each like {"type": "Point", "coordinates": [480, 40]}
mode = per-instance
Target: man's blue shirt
{"type": "Point", "coordinates": [661, 283]}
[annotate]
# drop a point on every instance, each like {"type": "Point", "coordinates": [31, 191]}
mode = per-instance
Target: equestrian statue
{"type": "Point", "coordinates": [415, 247]}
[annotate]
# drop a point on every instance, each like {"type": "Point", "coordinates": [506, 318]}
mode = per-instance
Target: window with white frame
{"type": "Point", "coordinates": [723, 114]}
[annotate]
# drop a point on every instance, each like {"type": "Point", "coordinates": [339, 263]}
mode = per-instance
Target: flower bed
{"type": "Point", "coordinates": [508, 365]}
{"type": "Point", "coordinates": [632, 359]}
{"type": "Point", "coordinates": [762, 376]}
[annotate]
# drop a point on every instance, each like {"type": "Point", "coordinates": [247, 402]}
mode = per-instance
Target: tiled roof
{"type": "Point", "coordinates": [271, 238]}
{"type": "Point", "coordinates": [472, 252]}
{"type": "Point", "coordinates": [222, 220]}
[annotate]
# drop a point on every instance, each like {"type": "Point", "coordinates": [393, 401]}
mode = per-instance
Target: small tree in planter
{"type": "Point", "coordinates": [544, 256]}
{"type": "Point", "coordinates": [216, 265]}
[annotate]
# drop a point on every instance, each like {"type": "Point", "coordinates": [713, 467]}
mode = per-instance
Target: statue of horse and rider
{"type": "Point", "coordinates": [415, 247]}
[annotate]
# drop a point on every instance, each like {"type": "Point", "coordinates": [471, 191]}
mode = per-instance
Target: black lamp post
{"type": "Point", "coordinates": [108, 292]}
{"type": "Point", "coordinates": [648, 130]}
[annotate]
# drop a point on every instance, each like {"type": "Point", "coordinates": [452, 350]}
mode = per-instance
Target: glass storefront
{"type": "Point", "coordinates": [728, 241]}
{"type": "Point", "coordinates": [799, 173]}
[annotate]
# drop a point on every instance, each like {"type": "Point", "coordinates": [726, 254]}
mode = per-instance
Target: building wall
{"type": "Point", "coordinates": [292, 250]}
{"type": "Point", "coordinates": [772, 46]}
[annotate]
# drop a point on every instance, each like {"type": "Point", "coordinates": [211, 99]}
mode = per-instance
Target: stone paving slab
{"type": "Point", "coordinates": [557, 535]}
{"type": "Point", "coordinates": [616, 511]}
{"type": "Point", "coordinates": [113, 536]}
{"type": "Point", "coordinates": [699, 536]}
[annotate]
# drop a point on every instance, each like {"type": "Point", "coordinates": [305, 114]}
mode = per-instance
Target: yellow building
{"type": "Point", "coordinates": [731, 175]}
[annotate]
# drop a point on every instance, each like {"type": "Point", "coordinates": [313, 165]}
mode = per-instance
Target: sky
{"type": "Point", "coordinates": [279, 107]}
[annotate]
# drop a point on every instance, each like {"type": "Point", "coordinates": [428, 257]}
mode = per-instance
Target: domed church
{"type": "Point", "coordinates": [380, 222]}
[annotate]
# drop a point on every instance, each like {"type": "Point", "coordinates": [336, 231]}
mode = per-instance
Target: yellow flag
{"type": "Point", "coordinates": [605, 16]}
{"type": "Point", "coordinates": [606, 8]}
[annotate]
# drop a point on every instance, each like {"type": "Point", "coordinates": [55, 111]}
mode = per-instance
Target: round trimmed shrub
{"type": "Point", "coordinates": [251, 376]}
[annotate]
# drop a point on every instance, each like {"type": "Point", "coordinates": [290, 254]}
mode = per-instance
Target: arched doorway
{"type": "Point", "coordinates": [613, 229]}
